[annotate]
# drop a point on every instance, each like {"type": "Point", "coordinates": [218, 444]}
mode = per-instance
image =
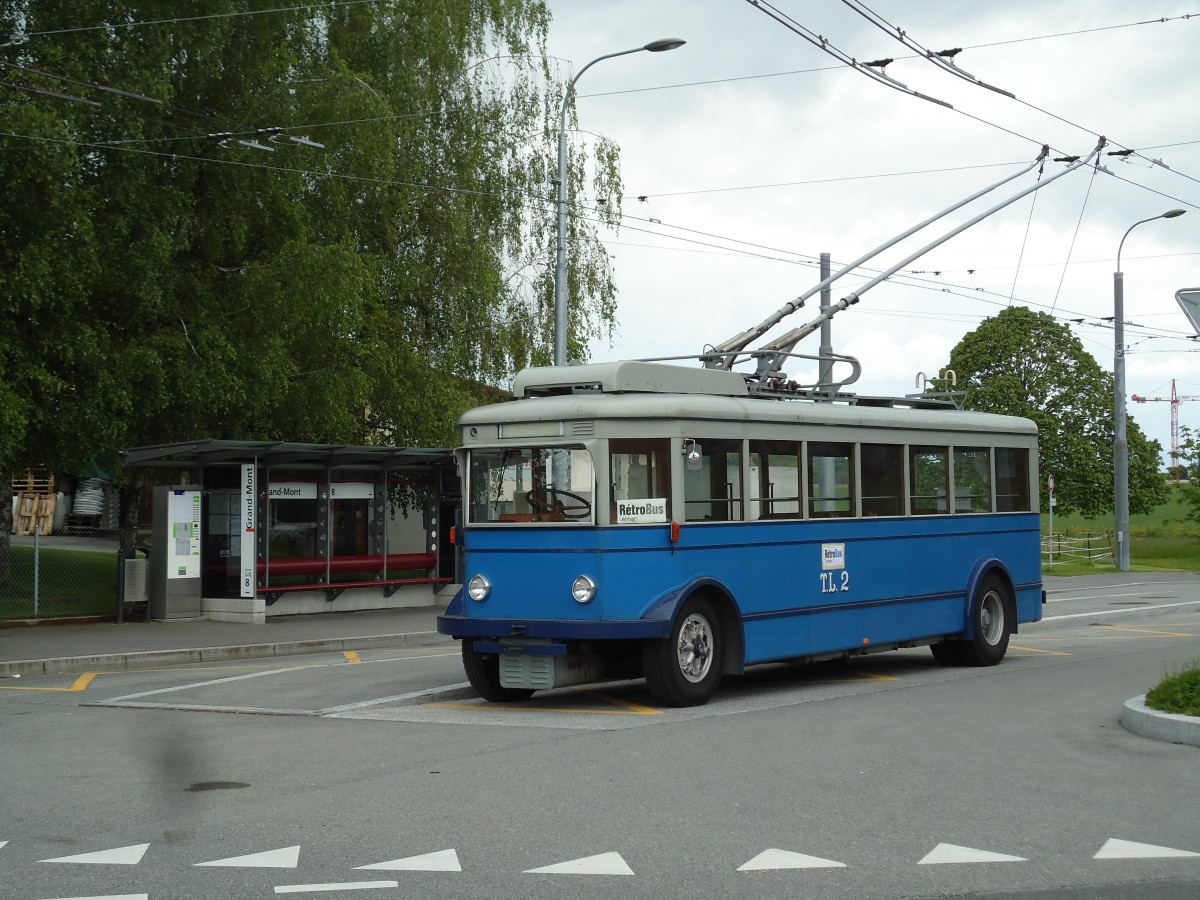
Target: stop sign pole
{"type": "Point", "coordinates": [1050, 486]}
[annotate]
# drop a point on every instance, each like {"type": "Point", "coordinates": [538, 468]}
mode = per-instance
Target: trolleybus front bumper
{"type": "Point", "coordinates": [552, 629]}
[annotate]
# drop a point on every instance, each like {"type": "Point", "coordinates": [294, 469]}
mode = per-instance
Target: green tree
{"type": "Point", "coordinates": [177, 266]}
{"type": "Point", "coordinates": [1189, 471]}
{"type": "Point", "coordinates": [1024, 363]}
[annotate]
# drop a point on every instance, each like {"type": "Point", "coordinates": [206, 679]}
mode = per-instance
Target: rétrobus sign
{"type": "Point", "coordinates": [632, 512]}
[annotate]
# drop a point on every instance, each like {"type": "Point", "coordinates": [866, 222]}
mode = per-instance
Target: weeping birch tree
{"type": "Point", "coordinates": [327, 221]}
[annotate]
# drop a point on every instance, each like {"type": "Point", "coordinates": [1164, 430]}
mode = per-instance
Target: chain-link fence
{"type": "Point", "coordinates": [60, 555]}
{"type": "Point", "coordinates": [59, 575]}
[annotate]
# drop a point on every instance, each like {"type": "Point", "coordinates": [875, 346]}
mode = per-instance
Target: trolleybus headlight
{"type": "Point", "coordinates": [479, 588]}
{"type": "Point", "coordinates": [583, 589]}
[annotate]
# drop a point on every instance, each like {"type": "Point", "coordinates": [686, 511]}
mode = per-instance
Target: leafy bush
{"type": "Point", "coordinates": [1178, 693]}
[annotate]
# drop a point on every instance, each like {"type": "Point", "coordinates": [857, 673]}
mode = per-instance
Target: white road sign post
{"type": "Point", "coordinates": [1050, 486]}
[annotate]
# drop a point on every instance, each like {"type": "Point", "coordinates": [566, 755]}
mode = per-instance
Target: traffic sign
{"type": "Point", "coordinates": [1050, 483]}
{"type": "Point", "coordinates": [1189, 302]}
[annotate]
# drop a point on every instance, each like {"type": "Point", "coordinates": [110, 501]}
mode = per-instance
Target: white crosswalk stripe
{"type": "Point", "coordinates": [601, 864]}
{"type": "Point", "coordinates": [118, 856]}
{"type": "Point", "coordinates": [284, 858]}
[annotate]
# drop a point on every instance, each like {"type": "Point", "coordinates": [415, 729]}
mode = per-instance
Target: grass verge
{"type": "Point", "coordinates": [1178, 693]}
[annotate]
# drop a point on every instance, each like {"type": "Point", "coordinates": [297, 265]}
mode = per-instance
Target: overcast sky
{"type": "Point", "coordinates": [757, 151]}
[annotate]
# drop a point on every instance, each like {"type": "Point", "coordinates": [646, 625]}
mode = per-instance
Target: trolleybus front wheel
{"type": "Point", "coordinates": [483, 671]}
{"type": "Point", "coordinates": [684, 668]}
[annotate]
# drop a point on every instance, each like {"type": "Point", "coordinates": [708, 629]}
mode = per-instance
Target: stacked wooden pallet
{"type": "Point", "coordinates": [36, 501]}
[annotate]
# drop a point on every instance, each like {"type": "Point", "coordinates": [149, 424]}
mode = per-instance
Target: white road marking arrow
{"type": "Point", "coordinates": [284, 858]}
{"type": "Point", "coordinates": [441, 861]}
{"type": "Point", "coordinates": [119, 856]}
{"type": "Point", "coordinates": [786, 859]}
{"type": "Point", "coordinates": [600, 864]}
{"type": "Point", "coordinates": [951, 853]}
{"type": "Point", "coordinates": [325, 888]}
{"type": "Point", "coordinates": [1115, 849]}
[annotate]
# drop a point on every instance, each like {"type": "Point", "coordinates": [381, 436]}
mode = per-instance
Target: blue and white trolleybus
{"type": "Point", "coordinates": [641, 517]}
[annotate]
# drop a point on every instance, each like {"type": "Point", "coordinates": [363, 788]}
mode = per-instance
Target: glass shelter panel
{"type": "Point", "coordinates": [641, 477]}
{"type": "Point", "coordinates": [1012, 479]}
{"type": "Point", "coordinates": [882, 479]}
{"type": "Point", "coordinates": [830, 479]}
{"type": "Point", "coordinates": [713, 492]}
{"type": "Point", "coordinates": [929, 472]}
{"type": "Point", "coordinates": [519, 484]}
{"type": "Point", "coordinates": [775, 480]}
{"type": "Point", "coordinates": [972, 480]}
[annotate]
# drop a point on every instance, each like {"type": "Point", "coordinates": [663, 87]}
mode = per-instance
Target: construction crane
{"type": "Point", "coordinates": [1174, 400]}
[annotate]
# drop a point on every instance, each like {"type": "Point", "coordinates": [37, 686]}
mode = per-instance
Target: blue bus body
{"type": "Point", "coordinates": [901, 589]}
{"type": "Point", "coordinates": [779, 588]}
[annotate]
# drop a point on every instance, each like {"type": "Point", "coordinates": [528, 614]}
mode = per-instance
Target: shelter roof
{"type": "Point", "coordinates": [283, 453]}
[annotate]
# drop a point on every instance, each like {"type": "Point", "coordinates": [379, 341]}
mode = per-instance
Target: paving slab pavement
{"type": "Point", "coordinates": [52, 648]}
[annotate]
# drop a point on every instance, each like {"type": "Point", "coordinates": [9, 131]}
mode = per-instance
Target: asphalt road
{"type": "Point", "coordinates": [376, 772]}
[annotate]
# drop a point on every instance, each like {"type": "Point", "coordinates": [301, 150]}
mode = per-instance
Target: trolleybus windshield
{"type": "Point", "coordinates": [531, 484]}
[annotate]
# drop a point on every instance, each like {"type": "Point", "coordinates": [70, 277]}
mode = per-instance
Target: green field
{"type": "Point", "coordinates": [1160, 541]}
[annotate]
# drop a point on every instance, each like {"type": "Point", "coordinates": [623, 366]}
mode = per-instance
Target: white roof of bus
{"type": "Point", "coordinates": [651, 403]}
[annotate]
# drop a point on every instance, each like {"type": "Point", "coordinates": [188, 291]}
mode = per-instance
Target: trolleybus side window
{"type": "Point", "coordinates": [1012, 479]}
{"type": "Point", "coordinates": [929, 474]}
{"type": "Point", "coordinates": [775, 480]}
{"type": "Point", "coordinates": [714, 491]}
{"type": "Point", "coordinates": [640, 470]}
{"type": "Point", "coordinates": [830, 479]}
{"type": "Point", "coordinates": [882, 479]}
{"type": "Point", "coordinates": [972, 480]}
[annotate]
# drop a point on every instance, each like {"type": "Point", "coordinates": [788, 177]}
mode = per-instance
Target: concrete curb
{"type": "Point", "coordinates": [1141, 719]}
{"type": "Point", "coordinates": [142, 659]}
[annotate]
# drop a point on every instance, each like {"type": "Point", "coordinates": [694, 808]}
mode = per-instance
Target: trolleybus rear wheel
{"type": "Point", "coordinates": [483, 671]}
{"type": "Point", "coordinates": [684, 668]}
{"type": "Point", "coordinates": [992, 627]}
{"type": "Point", "coordinates": [992, 624]}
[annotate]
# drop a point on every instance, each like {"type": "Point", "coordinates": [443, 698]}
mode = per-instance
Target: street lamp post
{"type": "Point", "coordinates": [1120, 441]}
{"type": "Point", "coordinates": [560, 265]}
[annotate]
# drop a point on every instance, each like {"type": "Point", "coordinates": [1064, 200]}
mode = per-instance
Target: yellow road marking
{"type": "Point", "coordinates": [81, 683]}
{"type": "Point", "coordinates": [1036, 650]}
{"type": "Point", "coordinates": [628, 704]}
{"type": "Point", "coordinates": [351, 656]}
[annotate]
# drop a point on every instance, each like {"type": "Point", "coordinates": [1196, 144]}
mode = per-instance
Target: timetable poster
{"type": "Point", "coordinates": [183, 545]}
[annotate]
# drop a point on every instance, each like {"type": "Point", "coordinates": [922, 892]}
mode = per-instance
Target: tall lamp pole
{"type": "Point", "coordinates": [1120, 441]}
{"type": "Point", "coordinates": [560, 265]}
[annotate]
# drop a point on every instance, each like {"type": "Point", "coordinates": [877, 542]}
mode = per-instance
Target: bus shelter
{"type": "Point", "coordinates": [243, 529]}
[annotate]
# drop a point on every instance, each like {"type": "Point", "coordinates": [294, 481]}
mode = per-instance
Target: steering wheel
{"type": "Point", "coordinates": [547, 500]}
